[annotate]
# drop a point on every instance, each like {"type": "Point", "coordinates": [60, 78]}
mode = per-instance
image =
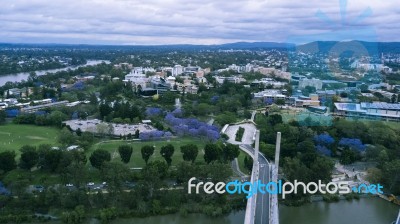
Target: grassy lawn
{"type": "Point", "coordinates": [136, 159]}
{"type": "Point", "coordinates": [241, 157]}
{"type": "Point", "coordinates": [14, 136]}
{"type": "Point", "coordinates": [392, 124]}
{"type": "Point", "coordinates": [300, 117]}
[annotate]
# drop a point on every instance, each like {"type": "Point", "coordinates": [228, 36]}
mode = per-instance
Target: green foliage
{"type": "Point", "coordinates": [7, 161]}
{"type": "Point", "coordinates": [212, 152]}
{"type": "Point", "coordinates": [99, 157]}
{"type": "Point", "coordinates": [106, 215]}
{"type": "Point", "coordinates": [115, 174]}
{"type": "Point", "coordinates": [3, 116]}
{"type": "Point", "coordinates": [239, 134]}
{"type": "Point", "coordinates": [29, 157]}
{"type": "Point", "coordinates": [348, 156]}
{"type": "Point", "coordinates": [225, 118]}
{"type": "Point", "coordinates": [76, 216]}
{"type": "Point", "coordinates": [147, 151]}
{"type": "Point", "coordinates": [167, 152]}
{"type": "Point", "coordinates": [125, 152]}
{"type": "Point", "coordinates": [230, 152]}
{"type": "Point", "coordinates": [66, 137]}
{"type": "Point", "coordinates": [248, 162]}
{"type": "Point", "coordinates": [189, 152]}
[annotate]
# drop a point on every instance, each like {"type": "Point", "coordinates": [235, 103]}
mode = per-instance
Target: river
{"type": "Point", "coordinates": [363, 211]}
{"type": "Point", "coordinates": [18, 77]}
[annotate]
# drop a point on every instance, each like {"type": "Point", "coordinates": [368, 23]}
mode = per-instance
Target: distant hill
{"type": "Point", "coordinates": [335, 47]}
{"type": "Point", "coordinates": [350, 47]}
{"type": "Point", "coordinates": [253, 45]}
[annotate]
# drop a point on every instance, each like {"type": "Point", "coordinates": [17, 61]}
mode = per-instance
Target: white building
{"type": "Point", "coordinates": [177, 70]}
{"type": "Point", "coordinates": [136, 79]}
{"type": "Point", "coordinates": [310, 82]}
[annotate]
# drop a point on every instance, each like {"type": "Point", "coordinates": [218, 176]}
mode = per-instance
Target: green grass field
{"type": "Point", "coordinates": [136, 159]}
{"type": "Point", "coordinates": [14, 136]}
{"type": "Point", "coordinates": [301, 117]}
{"type": "Point", "coordinates": [241, 157]}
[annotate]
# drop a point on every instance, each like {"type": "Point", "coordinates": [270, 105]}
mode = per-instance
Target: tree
{"type": "Point", "coordinates": [115, 174]}
{"type": "Point", "coordinates": [7, 161]}
{"type": "Point", "coordinates": [275, 119]}
{"type": "Point", "coordinates": [56, 117]}
{"type": "Point", "coordinates": [189, 152]}
{"type": "Point", "coordinates": [248, 162]}
{"type": "Point", "coordinates": [107, 214]}
{"type": "Point", "coordinates": [225, 118]}
{"type": "Point", "coordinates": [125, 152]}
{"type": "Point", "coordinates": [391, 175]}
{"type": "Point", "coordinates": [230, 152]}
{"type": "Point", "coordinates": [3, 116]}
{"type": "Point", "coordinates": [66, 137]}
{"type": "Point", "coordinates": [212, 152]}
{"type": "Point", "coordinates": [99, 157]}
{"type": "Point", "coordinates": [321, 169]}
{"type": "Point", "coordinates": [167, 151]}
{"type": "Point", "coordinates": [52, 159]}
{"type": "Point", "coordinates": [348, 156]}
{"type": "Point", "coordinates": [29, 157]}
{"type": "Point", "coordinates": [147, 151]}
{"type": "Point", "coordinates": [280, 102]}
{"type": "Point", "coordinates": [76, 216]}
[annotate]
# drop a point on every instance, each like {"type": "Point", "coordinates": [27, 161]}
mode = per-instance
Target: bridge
{"type": "Point", "coordinates": [262, 208]}
{"type": "Point", "coordinates": [398, 219]}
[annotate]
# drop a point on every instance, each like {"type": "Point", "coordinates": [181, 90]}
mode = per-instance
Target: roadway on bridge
{"type": "Point", "coordinates": [262, 200]}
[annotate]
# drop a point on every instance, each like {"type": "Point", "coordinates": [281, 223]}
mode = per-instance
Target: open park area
{"type": "Point", "coordinates": [14, 136]}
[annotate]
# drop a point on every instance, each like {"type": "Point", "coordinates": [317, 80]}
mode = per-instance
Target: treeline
{"type": "Point", "coordinates": [306, 150]}
{"type": "Point", "coordinates": [127, 194]}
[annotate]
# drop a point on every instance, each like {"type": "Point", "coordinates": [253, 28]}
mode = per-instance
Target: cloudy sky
{"type": "Point", "coordinates": [196, 21]}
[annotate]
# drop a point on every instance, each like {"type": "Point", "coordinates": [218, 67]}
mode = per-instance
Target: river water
{"type": "Point", "coordinates": [363, 211]}
{"type": "Point", "coordinates": [18, 77]}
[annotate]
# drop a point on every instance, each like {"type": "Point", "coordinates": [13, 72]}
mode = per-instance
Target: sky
{"type": "Point", "coordinates": [156, 22]}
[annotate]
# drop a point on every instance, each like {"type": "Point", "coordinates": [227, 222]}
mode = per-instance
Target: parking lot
{"type": "Point", "coordinates": [118, 129]}
{"type": "Point", "coordinates": [249, 130]}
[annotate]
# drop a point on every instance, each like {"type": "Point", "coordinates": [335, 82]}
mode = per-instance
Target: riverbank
{"type": "Point", "coordinates": [18, 77]}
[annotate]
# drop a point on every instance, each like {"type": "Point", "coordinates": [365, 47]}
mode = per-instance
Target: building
{"type": "Point", "coordinates": [270, 95]}
{"type": "Point", "coordinates": [376, 110]}
{"type": "Point", "coordinates": [326, 94]}
{"type": "Point", "coordinates": [177, 70]}
{"type": "Point", "coordinates": [160, 83]}
{"type": "Point", "coordinates": [316, 83]}
{"type": "Point", "coordinates": [15, 92]}
{"type": "Point", "coordinates": [33, 109]}
{"type": "Point", "coordinates": [233, 79]}
{"type": "Point", "coordinates": [304, 101]}
{"type": "Point", "coordinates": [273, 72]}
{"type": "Point", "coordinates": [136, 79]}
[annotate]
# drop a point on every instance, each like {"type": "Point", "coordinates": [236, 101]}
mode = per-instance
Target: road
{"type": "Point", "coordinates": [262, 200]}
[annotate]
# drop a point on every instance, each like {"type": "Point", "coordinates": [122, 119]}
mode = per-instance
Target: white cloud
{"type": "Point", "coordinates": [189, 21]}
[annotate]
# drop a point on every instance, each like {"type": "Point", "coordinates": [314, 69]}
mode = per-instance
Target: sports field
{"type": "Point", "coordinates": [14, 136]}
